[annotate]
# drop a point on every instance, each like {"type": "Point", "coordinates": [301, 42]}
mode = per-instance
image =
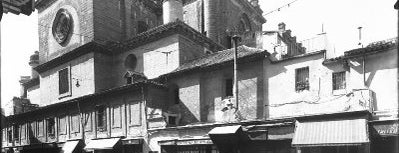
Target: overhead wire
{"type": "Point", "coordinates": [279, 8]}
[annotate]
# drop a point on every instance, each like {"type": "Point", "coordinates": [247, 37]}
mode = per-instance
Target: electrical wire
{"type": "Point", "coordinates": [278, 9]}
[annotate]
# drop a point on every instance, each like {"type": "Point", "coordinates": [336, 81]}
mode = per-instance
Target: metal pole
{"type": "Point", "coordinates": [235, 94]}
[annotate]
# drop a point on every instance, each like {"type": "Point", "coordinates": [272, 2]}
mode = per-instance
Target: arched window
{"type": "Point", "coordinates": [244, 25]}
{"type": "Point", "coordinates": [131, 62]}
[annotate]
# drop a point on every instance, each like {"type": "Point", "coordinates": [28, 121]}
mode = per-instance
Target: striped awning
{"type": "Point", "coordinates": [331, 133]}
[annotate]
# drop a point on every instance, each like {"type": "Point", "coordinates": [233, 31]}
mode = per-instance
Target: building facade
{"type": "Point", "coordinates": [157, 76]}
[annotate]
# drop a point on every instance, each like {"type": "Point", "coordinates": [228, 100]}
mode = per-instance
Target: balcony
{"type": "Point", "coordinates": [355, 100]}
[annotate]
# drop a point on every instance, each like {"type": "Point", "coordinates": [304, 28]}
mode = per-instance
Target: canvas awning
{"type": "Point", "coordinates": [227, 134]}
{"type": "Point", "coordinates": [69, 146]}
{"type": "Point", "coordinates": [331, 133]}
{"type": "Point", "coordinates": [102, 144]}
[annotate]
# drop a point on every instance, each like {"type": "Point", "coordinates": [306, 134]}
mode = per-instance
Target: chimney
{"type": "Point", "coordinates": [211, 19]}
{"type": "Point", "coordinates": [33, 62]}
{"type": "Point", "coordinates": [23, 91]}
{"type": "Point", "coordinates": [281, 27]}
{"type": "Point", "coordinates": [172, 10]}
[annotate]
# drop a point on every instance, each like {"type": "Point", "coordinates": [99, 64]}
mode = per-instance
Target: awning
{"type": "Point", "coordinates": [227, 135]}
{"type": "Point", "coordinates": [69, 146]}
{"type": "Point", "coordinates": [102, 144]}
{"type": "Point", "coordinates": [331, 133]}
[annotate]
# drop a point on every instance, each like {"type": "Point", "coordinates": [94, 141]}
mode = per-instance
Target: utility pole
{"type": "Point", "coordinates": [235, 38]}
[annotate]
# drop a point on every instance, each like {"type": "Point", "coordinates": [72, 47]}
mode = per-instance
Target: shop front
{"type": "Point", "coordinates": [339, 135]}
{"type": "Point", "coordinates": [385, 136]}
{"type": "Point", "coordinates": [203, 145]}
{"type": "Point", "coordinates": [107, 145]}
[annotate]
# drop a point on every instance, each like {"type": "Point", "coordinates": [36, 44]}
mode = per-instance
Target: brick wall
{"type": "Point", "coordinates": [81, 12]}
{"type": "Point", "coordinates": [201, 93]}
{"type": "Point", "coordinates": [107, 20]}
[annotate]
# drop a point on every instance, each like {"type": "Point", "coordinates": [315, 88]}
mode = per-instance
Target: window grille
{"type": "Point", "coordinates": [302, 79]}
{"type": "Point", "coordinates": [339, 80]}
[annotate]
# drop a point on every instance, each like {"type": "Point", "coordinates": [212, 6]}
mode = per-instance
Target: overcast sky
{"type": "Point", "coordinates": [19, 35]}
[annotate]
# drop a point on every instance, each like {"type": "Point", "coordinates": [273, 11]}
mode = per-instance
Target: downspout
{"type": "Point", "coordinates": [364, 70]}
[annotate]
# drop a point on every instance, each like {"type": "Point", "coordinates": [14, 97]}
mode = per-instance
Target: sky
{"type": "Point", "coordinates": [305, 18]}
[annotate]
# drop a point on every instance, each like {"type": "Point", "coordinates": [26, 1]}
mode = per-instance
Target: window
{"type": "Point", "coordinates": [176, 95]}
{"type": "Point", "coordinates": [135, 113]}
{"type": "Point", "coordinates": [16, 133]}
{"type": "Point", "coordinates": [101, 118]}
{"type": "Point", "coordinates": [228, 87]}
{"type": "Point", "coordinates": [23, 131]}
{"type": "Point", "coordinates": [75, 123]}
{"type": "Point", "coordinates": [116, 117]}
{"type": "Point", "coordinates": [63, 81]}
{"type": "Point", "coordinates": [302, 79]}
{"type": "Point", "coordinates": [9, 135]}
{"type": "Point", "coordinates": [40, 128]}
{"type": "Point", "coordinates": [339, 80]}
{"type": "Point", "coordinates": [62, 125]}
{"type": "Point", "coordinates": [51, 127]}
{"type": "Point", "coordinates": [88, 122]}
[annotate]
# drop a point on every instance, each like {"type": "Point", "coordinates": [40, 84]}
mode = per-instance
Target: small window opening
{"type": "Point", "coordinates": [101, 118]}
{"type": "Point", "coordinates": [229, 87]}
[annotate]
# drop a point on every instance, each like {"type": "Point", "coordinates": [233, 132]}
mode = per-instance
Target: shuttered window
{"type": "Point", "coordinates": [116, 117]}
{"type": "Point", "coordinates": [16, 133]}
{"type": "Point", "coordinates": [101, 118]}
{"type": "Point", "coordinates": [75, 124]}
{"type": "Point", "coordinates": [51, 127]}
{"type": "Point", "coordinates": [63, 81]}
{"type": "Point", "coordinates": [62, 126]}
{"type": "Point", "coordinates": [135, 113]}
{"type": "Point", "coordinates": [339, 80]}
{"type": "Point", "coordinates": [302, 79]}
{"type": "Point", "coordinates": [40, 128]}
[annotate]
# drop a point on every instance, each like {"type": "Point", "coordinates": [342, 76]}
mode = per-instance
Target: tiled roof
{"type": "Point", "coordinates": [165, 30]}
{"type": "Point", "coordinates": [107, 92]}
{"type": "Point", "coordinates": [372, 48]}
{"type": "Point", "coordinates": [220, 58]}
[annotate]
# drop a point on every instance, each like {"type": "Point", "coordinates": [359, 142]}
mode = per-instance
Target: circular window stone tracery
{"type": "Point", "coordinates": [62, 26]}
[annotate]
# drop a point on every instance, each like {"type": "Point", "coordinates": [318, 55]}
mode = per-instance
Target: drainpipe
{"type": "Point", "coordinates": [364, 71]}
{"type": "Point", "coordinates": [235, 39]}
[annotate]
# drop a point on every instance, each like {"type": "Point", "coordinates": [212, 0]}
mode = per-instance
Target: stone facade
{"type": "Point", "coordinates": [169, 88]}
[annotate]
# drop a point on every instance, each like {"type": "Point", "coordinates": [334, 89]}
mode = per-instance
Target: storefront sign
{"type": "Point", "coordinates": [387, 128]}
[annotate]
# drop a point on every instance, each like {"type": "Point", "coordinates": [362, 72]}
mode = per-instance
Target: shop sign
{"type": "Point", "coordinates": [194, 142]}
{"type": "Point", "coordinates": [387, 129]}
